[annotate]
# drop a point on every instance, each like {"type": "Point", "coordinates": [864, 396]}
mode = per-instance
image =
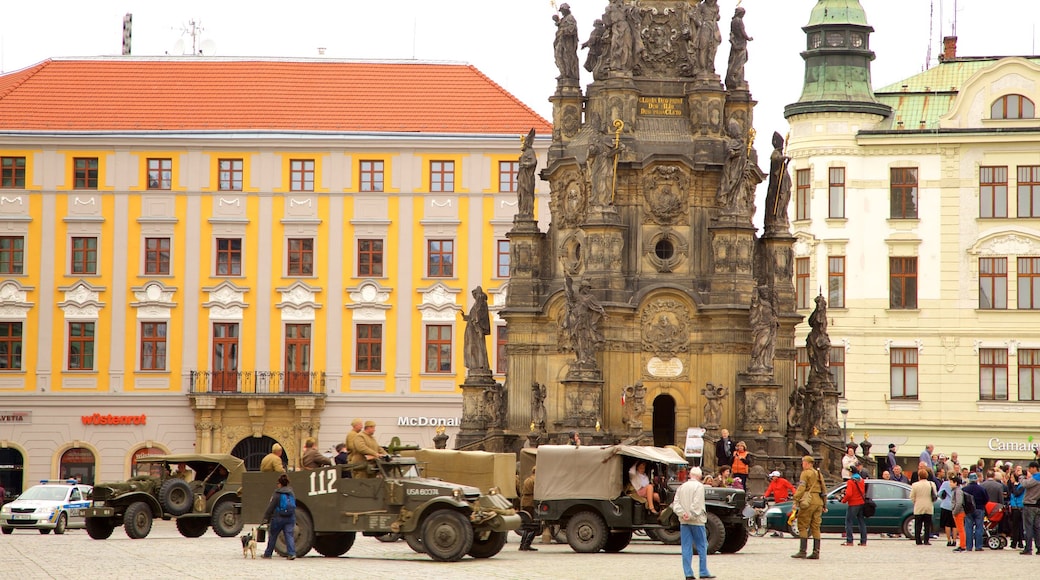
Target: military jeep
{"type": "Point", "coordinates": [585, 492]}
{"type": "Point", "coordinates": [444, 520]}
{"type": "Point", "coordinates": [208, 498]}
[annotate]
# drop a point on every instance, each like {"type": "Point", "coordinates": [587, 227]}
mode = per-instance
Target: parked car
{"type": "Point", "coordinates": [895, 511]}
{"type": "Point", "coordinates": [52, 505]}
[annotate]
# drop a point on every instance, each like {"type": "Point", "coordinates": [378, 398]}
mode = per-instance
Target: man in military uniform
{"type": "Point", "coordinates": [366, 449]}
{"type": "Point", "coordinates": [810, 511]}
{"type": "Point", "coordinates": [355, 429]}
{"type": "Point", "coordinates": [273, 461]}
{"type": "Point", "coordinates": [527, 504]}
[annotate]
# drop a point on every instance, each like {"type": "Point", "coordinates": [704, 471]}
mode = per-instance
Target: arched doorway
{"type": "Point", "coordinates": [12, 471]}
{"type": "Point", "coordinates": [77, 463]}
{"type": "Point", "coordinates": [664, 420]}
{"type": "Point", "coordinates": [253, 449]}
{"type": "Point", "coordinates": [155, 469]}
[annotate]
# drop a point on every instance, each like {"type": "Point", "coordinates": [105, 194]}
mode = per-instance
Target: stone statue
{"type": "Point", "coordinates": [738, 39]}
{"type": "Point", "coordinates": [779, 193]}
{"type": "Point", "coordinates": [764, 327]}
{"type": "Point", "coordinates": [818, 345]}
{"type": "Point", "coordinates": [582, 319]}
{"type": "Point", "coordinates": [622, 31]}
{"type": "Point", "coordinates": [525, 178]}
{"type": "Point", "coordinates": [731, 186]}
{"type": "Point", "coordinates": [812, 411]}
{"type": "Point", "coordinates": [495, 405]}
{"type": "Point", "coordinates": [538, 414]}
{"type": "Point", "coordinates": [794, 412]}
{"type": "Point", "coordinates": [599, 167]}
{"type": "Point", "coordinates": [708, 37]}
{"type": "Point", "coordinates": [565, 46]}
{"type": "Point", "coordinates": [598, 45]}
{"type": "Point", "coordinates": [713, 407]}
{"type": "Point", "coordinates": [634, 406]}
{"type": "Point", "coordinates": [478, 325]}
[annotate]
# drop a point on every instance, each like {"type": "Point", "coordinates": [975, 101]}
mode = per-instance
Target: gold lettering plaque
{"type": "Point", "coordinates": [661, 107]}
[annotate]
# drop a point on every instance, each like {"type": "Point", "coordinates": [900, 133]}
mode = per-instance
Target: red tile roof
{"type": "Point", "coordinates": [213, 94]}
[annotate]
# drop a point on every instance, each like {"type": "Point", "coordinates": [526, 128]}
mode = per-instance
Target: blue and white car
{"type": "Point", "coordinates": [52, 505]}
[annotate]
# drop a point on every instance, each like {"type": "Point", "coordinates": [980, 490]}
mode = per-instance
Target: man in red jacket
{"type": "Point", "coordinates": [781, 490]}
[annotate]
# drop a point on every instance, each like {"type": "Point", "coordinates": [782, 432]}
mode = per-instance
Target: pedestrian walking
{"type": "Point", "coordinates": [923, 496]}
{"type": "Point", "coordinates": [855, 498]}
{"type": "Point", "coordinates": [809, 499]}
{"type": "Point", "coordinates": [1030, 486]}
{"type": "Point", "coordinates": [693, 516]}
{"type": "Point", "coordinates": [531, 526]}
{"type": "Point", "coordinates": [974, 512]}
{"type": "Point", "coordinates": [281, 513]}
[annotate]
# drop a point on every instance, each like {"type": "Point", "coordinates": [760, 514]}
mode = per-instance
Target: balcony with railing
{"type": "Point", "coordinates": [265, 383]}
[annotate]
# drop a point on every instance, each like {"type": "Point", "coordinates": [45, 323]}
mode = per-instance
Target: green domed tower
{"type": "Point", "coordinates": [837, 62]}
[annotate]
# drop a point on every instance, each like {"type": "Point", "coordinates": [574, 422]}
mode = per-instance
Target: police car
{"type": "Point", "coordinates": [53, 505]}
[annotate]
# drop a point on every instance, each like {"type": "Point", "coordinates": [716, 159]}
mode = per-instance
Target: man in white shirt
{"type": "Point", "coordinates": [689, 507]}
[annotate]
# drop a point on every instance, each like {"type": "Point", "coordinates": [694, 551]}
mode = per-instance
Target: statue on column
{"type": "Point", "coordinates": [581, 322]}
{"type": "Point", "coordinates": [538, 414]}
{"type": "Point", "coordinates": [525, 178]}
{"type": "Point", "coordinates": [478, 326]}
{"type": "Point", "coordinates": [624, 36]}
{"type": "Point", "coordinates": [731, 186]}
{"type": "Point", "coordinates": [495, 405]}
{"type": "Point", "coordinates": [779, 193]}
{"type": "Point", "coordinates": [565, 46]}
{"type": "Point", "coordinates": [794, 411]}
{"type": "Point", "coordinates": [764, 328]}
{"type": "Point", "coordinates": [818, 344]}
{"type": "Point", "coordinates": [634, 406]}
{"type": "Point", "coordinates": [708, 36]}
{"type": "Point", "coordinates": [600, 169]}
{"type": "Point", "coordinates": [713, 407]}
{"type": "Point", "coordinates": [598, 45]}
{"type": "Point", "coordinates": [738, 39]}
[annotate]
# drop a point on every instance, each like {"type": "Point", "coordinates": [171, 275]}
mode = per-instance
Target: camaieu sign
{"type": "Point", "coordinates": [996, 444]}
{"type": "Point", "coordinates": [428, 421]}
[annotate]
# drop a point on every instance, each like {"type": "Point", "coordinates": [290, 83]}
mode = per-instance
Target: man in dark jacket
{"type": "Point", "coordinates": [724, 450]}
{"type": "Point", "coordinates": [974, 521]}
{"type": "Point", "coordinates": [282, 520]}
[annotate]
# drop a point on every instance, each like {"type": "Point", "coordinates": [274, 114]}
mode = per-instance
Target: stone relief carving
{"type": "Point", "coordinates": [665, 325]}
{"type": "Point", "coordinates": [634, 406]}
{"type": "Point", "coordinates": [568, 201]}
{"type": "Point", "coordinates": [758, 408]}
{"type": "Point", "coordinates": [664, 189]}
{"type": "Point", "coordinates": [713, 406]}
{"type": "Point", "coordinates": [438, 303]}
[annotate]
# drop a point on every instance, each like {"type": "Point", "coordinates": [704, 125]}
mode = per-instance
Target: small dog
{"type": "Point", "coordinates": [249, 545]}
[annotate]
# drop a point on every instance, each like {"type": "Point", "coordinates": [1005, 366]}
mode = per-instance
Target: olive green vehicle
{"type": "Point", "coordinates": [208, 499]}
{"type": "Point", "coordinates": [444, 520]}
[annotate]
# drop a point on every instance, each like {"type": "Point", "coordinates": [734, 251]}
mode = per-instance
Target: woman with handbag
{"type": "Point", "coordinates": [923, 494]}
{"type": "Point", "coordinates": [855, 497]}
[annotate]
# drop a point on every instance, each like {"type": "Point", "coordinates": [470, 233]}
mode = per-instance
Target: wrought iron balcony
{"type": "Point", "coordinates": [257, 383]}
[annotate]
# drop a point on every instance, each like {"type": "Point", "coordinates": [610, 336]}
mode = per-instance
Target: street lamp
{"type": "Point", "coordinates": [844, 423]}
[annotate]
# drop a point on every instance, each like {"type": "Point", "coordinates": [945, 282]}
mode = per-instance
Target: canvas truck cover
{"type": "Point", "coordinates": [476, 468]}
{"type": "Point", "coordinates": [568, 472]}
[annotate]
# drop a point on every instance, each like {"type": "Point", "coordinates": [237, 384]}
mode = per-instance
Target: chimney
{"type": "Point", "coordinates": [949, 49]}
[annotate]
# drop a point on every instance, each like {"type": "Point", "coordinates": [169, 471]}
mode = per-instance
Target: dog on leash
{"type": "Point", "coordinates": [249, 545]}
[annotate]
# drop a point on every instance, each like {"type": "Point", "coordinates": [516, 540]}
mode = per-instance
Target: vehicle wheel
{"type": "Point", "coordinates": [45, 531]}
{"type": "Point", "coordinates": [6, 530]}
{"type": "Point", "coordinates": [414, 541]}
{"type": "Point", "coordinates": [586, 532]}
{"type": "Point", "coordinates": [993, 543]}
{"type": "Point", "coordinates": [908, 527]}
{"type": "Point", "coordinates": [226, 522]}
{"type": "Point", "coordinates": [761, 526]}
{"type": "Point", "coordinates": [192, 527]}
{"type": "Point", "coordinates": [558, 533]}
{"type": "Point", "coordinates": [303, 535]}
{"type": "Point", "coordinates": [793, 527]}
{"type": "Point", "coordinates": [61, 524]}
{"type": "Point", "coordinates": [489, 546]}
{"type": "Point", "coordinates": [1003, 542]}
{"type": "Point", "coordinates": [716, 533]}
{"type": "Point", "coordinates": [617, 541]}
{"type": "Point", "coordinates": [137, 521]}
{"type": "Point", "coordinates": [447, 535]}
{"type": "Point", "coordinates": [389, 538]}
{"type": "Point", "coordinates": [334, 545]}
{"type": "Point", "coordinates": [736, 538]}
{"type": "Point", "coordinates": [665, 536]}
{"type": "Point", "coordinates": [175, 497]}
{"type": "Point", "coordinates": [99, 528]}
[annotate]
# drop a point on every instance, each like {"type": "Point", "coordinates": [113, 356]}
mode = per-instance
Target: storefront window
{"type": "Point", "coordinates": [78, 464]}
{"type": "Point", "coordinates": [155, 470]}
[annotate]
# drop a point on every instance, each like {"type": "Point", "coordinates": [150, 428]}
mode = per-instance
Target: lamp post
{"type": "Point", "coordinates": [844, 424]}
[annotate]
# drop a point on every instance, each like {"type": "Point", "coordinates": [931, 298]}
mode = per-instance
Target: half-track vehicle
{"type": "Point", "coordinates": [445, 520]}
{"type": "Point", "coordinates": [585, 492]}
{"type": "Point", "coordinates": [207, 499]}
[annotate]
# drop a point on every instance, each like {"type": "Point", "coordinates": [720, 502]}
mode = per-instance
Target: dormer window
{"type": "Point", "coordinates": [1012, 107]}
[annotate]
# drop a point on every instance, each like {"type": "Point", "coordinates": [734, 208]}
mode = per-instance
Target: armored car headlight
{"type": "Point", "coordinates": [456, 493]}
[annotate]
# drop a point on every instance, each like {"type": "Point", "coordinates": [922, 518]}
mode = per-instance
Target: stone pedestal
{"type": "Point", "coordinates": [474, 423]}
{"type": "Point", "coordinates": [779, 256]}
{"type": "Point", "coordinates": [583, 403]}
{"type": "Point", "coordinates": [567, 105]}
{"type": "Point", "coordinates": [758, 407]}
{"type": "Point", "coordinates": [605, 247]}
{"type": "Point", "coordinates": [526, 247]}
{"type": "Point", "coordinates": [733, 242]}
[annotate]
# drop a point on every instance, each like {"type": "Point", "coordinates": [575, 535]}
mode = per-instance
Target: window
{"type": "Point", "coordinates": [501, 360]}
{"type": "Point", "coordinates": [502, 258]}
{"type": "Point", "coordinates": [301, 256]}
{"type": "Point", "coordinates": [12, 255]}
{"type": "Point", "coordinates": [157, 256]}
{"type": "Point", "coordinates": [371, 174]}
{"type": "Point", "coordinates": [507, 173]}
{"type": "Point", "coordinates": [993, 374]}
{"type": "Point", "coordinates": [837, 192]}
{"type": "Point", "coordinates": [368, 348]}
{"type": "Point", "coordinates": [11, 346]}
{"type": "Point", "coordinates": [297, 357]}
{"type": "Point", "coordinates": [370, 257]}
{"type": "Point", "coordinates": [902, 292]}
{"type": "Point", "coordinates": [1012, 107]}
{"type": "Point", "coordinates": [801, 366]}
{"type": "Point", "coordinates": [81, 346]}
{"type": "Point", "coordinates": [1028, 374]}
{"type": "Point", "coordinates": [301, 175]}
{"type": "Point", "coordinates": [229, 256]}
{"type": "Point", "coordinates": [836, 281]}
{"type": "Point", "coordinates": [12, 172]}
{"type": "Point", "coordinates": [225, 357]}
{"type": "Point", "coordinates": [84, 255]}
{"type": "Point", "coordinates": [440, 258]}
{"type": "Point", "coordinates": [229, 176]}
{"type": "Point", "coordinates": [838, 368]}
{"type": "Point", "coordinates": [153, 346]}
{"type": "Point", "coordinates": [801, 285]}
{"type": "Point", "coordinates": [85, 173]}
{"type": "Point", "coordinates": [160, 173]}
{"type": "Point", "coordinates": [904, 192]}
{"type": "Point", "coordinates": [1029, 191]}
{"type": "Point", "coordinates": [904, 373]}
{"type": "Point", "coordinates": [442, 176]}
{"type": "Point", "coordinates": [438, 348]}
{"type": "Point", "coordinates": [993, 192]}
{"type": "Point", "coordinates": [992, 283]}
{"type": "Point", "coordinates": [1029, 283]}
{"type": "Point", "coordinates": [801, 195]}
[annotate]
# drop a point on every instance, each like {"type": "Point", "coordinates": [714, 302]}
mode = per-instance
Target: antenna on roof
{"type": "Point", "coordinates": [954, 17]}
{"type": "Point", "coordinates": [931, 25]}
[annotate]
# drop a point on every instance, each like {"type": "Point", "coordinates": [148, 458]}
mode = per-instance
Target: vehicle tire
{"type": "Point", "coordinates": [6, 530]}
{"type": "Point", "coordinates": [617, 541]}
{"type": "Point", "coordinates": [716, 533]}
{"type": "Point", "coordinates": [586, 532]}
{"type": "Point", "coordinates": [226, 522]}
{"type": "Point", "coordinates": [414, 541]}
{"type": "Point", "coordinates": [993, 542]}
{"type": "Point", "coordinates": [303, 535]}
{"type": "Point", "coordinates": [447, 535]}
{"type": "Point", "coordinates": [389, 538]}
{"type": "Point", "coordinates": [61, 524]}
{"type": "Point", "coordinates": [192, 527]}
{"type": "Point", "coordinates": [175, 497]}
{"type": "Point", "coordinates": [908, 527]}
{"type": "Point", "coordinates": [45, 531]}
{"type": "Point", "coordinates": [137, 521]}
{"type": "Point", "coordinates": [736, 538]}
{"type": "Point", "coordinates": [793, 527]}
{"type": "Point", "coordinates": [334, 545]}
{"type": "Point", "coordinates": [1003, 542]}
{"type": "Point", "coordinates": [99, 528]}
{"type": "Point", "coordinates": [489, 546]}
{"type": "Point", "coordinates": [665, 536]}
{"type": "Point", "coordinates": [558, 533]}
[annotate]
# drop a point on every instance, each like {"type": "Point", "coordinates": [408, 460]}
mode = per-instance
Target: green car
{"type": "Point", "coordinates": [895, 511]}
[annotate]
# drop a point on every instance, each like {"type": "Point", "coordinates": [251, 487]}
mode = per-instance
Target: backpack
{"type": "Point", "coordinates": [969, 502]}
{"type": "Point", "coordinates": [286, 504]}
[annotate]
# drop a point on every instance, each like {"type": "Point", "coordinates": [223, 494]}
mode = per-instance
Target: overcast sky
{"type": "Point", "coordinates": [509, 40]}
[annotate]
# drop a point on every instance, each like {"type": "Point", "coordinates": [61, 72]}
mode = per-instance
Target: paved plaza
{"type": "Point", "coordinates": [27, 555]}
